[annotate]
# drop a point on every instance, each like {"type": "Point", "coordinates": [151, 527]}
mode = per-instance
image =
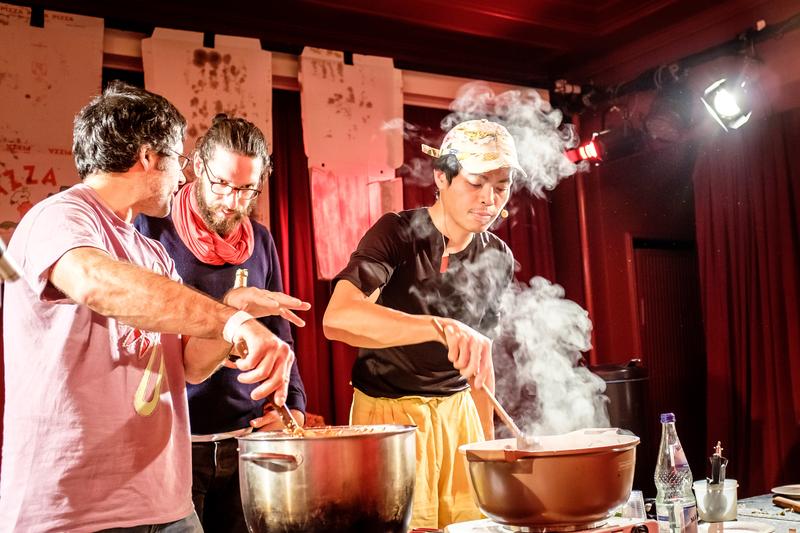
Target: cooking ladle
{"type": "Point", "coordinates": [287, 418]}
{"type": "Point", "coordinates": [285, 414]}
{"type": "Point", "coordinates": [524, 442]}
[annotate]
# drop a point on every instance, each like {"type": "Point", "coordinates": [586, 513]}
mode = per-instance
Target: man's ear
{"type": "Point", "coordinates": [440, 179]}
{"type": "Point", "coordinates": [197, 163]}
{"type": "Point", "coordinates": [146, 157]}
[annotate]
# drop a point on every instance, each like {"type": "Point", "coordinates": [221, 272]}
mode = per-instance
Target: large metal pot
{"type": "Point", "coordinates": [347, 478]}
{"type": "Point", "coordinates": [564, 482]}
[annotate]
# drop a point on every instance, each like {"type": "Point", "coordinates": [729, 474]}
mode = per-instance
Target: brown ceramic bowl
{"type": "Point", "coordinates": [570, 481]}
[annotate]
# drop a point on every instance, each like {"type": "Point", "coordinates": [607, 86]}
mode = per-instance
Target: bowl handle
{"type": "Point", "coordinates": [602, 431]}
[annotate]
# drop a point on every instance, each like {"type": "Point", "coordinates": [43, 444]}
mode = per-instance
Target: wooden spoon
{"type": "Point", "coordinates": [523, 441]}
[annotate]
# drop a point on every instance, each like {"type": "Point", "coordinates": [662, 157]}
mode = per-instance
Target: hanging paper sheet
{"type": "Point", "coordinates": [348, 112]}
{"type": "Point", "coordinates": [234, 77]}
{"type": "Point", "coordinates": [384, 196]}
{"type": "Point", "coordinates": [340, 214]}
{"type": "Point", "coordinates": [46, 76]}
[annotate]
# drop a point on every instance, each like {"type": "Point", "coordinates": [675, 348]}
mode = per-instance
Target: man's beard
{"type": "Point", "coordinates": [226, 225]}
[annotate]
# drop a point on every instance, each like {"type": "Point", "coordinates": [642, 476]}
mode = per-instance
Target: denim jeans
{"type": "Point", "coordinates": [215, 486]}
{"type": "Point", "coordinates": [190, 524]}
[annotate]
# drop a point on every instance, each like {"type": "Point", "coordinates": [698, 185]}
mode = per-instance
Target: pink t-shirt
{"type": "Point", "coordinates": [96, 427]}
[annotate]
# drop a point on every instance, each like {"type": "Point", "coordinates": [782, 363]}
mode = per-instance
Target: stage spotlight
{"type": "Point", "coordinates": [585, 152]}
{"type": "Point", "coordinates": [726, 102]}
{"type": "Point", "coordinates": [608, 145]}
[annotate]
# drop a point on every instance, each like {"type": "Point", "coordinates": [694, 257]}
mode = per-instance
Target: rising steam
{"type": "Point", "coordinates": [537, 128]}
{"type": "Point", "coordinates": [546, 334]}
{"type": "Point", "coordinates": [541, 333]}
{"type": "Point", "coordinates": [539, 133]}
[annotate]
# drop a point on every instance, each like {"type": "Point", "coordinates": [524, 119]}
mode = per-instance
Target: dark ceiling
{"type": "Point", "coordinates": [519, 41]}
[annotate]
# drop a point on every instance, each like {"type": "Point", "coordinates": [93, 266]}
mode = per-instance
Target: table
{"type": "Point", "coordinates": [761, 509]}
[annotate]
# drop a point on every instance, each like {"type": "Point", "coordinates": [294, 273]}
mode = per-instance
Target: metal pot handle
{"type": "Point", "coordinates": [266, 459]}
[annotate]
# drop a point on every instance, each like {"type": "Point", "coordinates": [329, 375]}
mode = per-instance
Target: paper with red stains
{"type": "Point", "coordinates": [353, 138]}
{"type": "Point", "coordinates": [343, 212]}
{"type": "Point", "coordinates": [46, 76]}
{"type": "Point", "coordinates": [234, 77]}
{"type": "Point", "coordinates": [384, 196]}
{"type": "Point", "coordinates": [341, 216]}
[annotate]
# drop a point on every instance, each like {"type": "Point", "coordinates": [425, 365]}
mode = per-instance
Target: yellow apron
{"type": "Point", "coordinates": [442, 494]}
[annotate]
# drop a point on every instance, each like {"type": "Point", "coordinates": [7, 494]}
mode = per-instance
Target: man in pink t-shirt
{"type": "Point", "coordinates": [96, 431]}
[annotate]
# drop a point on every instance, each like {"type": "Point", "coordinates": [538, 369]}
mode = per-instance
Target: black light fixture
{"type": "Point", "coordinates": [727, 103]}
{"type": "Point", "coordinates": [670, 114]}
{"type": "Point", "coordinates": [665, 123]}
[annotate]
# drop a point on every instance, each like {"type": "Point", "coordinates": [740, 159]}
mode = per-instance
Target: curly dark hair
{"type": "Point", "coordinates": [110, 130]}
{"type": "Point", "coordinates": [237, 135]}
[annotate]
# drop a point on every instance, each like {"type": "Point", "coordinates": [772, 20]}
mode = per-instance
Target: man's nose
{"type": "Point", "coordinates": [231, 199]}
{"type": "Point", "coordinates": [487, 194]}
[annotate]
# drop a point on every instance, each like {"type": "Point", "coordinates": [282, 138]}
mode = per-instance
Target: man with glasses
{"type": "Point", "coordinates": [100, 338]}
{"type": "Point", "coordinates": [210, 236]}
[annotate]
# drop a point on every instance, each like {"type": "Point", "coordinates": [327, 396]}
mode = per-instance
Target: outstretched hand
{"type": "Point", "coordinates": [261, 302]}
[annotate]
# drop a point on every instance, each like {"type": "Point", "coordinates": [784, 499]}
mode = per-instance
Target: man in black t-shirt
{"type": "Point", "coordinates": [419, 297]}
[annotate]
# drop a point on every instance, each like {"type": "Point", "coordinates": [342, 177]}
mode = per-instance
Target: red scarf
{"type": "Point", "coordinates": [206, 245]}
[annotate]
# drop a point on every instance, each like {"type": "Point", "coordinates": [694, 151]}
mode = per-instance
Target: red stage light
{"type": "Point", "coordinates": [589, 151]}
{"type": "Point", "coordinates": [607, 145]}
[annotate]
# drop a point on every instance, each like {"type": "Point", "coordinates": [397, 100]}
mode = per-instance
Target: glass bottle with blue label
{"type": "Point", "coordinates": [675, 504]}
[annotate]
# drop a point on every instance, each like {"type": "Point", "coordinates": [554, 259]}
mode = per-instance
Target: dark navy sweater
{"type": "Point", "coordinates": [221, 403]}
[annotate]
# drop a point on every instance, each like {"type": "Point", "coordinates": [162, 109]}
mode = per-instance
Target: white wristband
{"type": "Point", "coordinates": [233, 324]}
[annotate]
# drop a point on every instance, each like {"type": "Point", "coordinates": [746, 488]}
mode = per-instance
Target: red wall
{"type": "Point", "coordinates": [649, 195]}
{"type": "Point", "coordinates": [565, 223]}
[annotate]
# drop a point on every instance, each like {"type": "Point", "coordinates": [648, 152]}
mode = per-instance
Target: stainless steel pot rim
{"type": "Point", "coordinates": [331, 432]}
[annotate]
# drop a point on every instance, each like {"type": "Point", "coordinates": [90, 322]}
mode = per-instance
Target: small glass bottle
{"type": "Point", "coordinates": [241, 278]}
{"type": "Point", "coordinates": [676, 507]}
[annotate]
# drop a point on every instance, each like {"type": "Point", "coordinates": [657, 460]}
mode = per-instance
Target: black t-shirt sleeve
{"type": "Point", "coordinates": [380, 251]}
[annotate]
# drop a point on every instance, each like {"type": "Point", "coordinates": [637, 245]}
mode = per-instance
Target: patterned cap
{"type": "Point", "coordinates": [480, 146]}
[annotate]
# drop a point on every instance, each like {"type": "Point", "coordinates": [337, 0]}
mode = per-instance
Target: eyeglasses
{"type": "Point", "coordinates": [223, 189]}
{"type": "Point", "coordinates": [183, 161]}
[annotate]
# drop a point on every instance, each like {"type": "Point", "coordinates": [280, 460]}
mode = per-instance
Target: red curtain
{"type": "Point", "coordinates": [324, 365]}
{"type": "Point", "coordinates": [747, 202]}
